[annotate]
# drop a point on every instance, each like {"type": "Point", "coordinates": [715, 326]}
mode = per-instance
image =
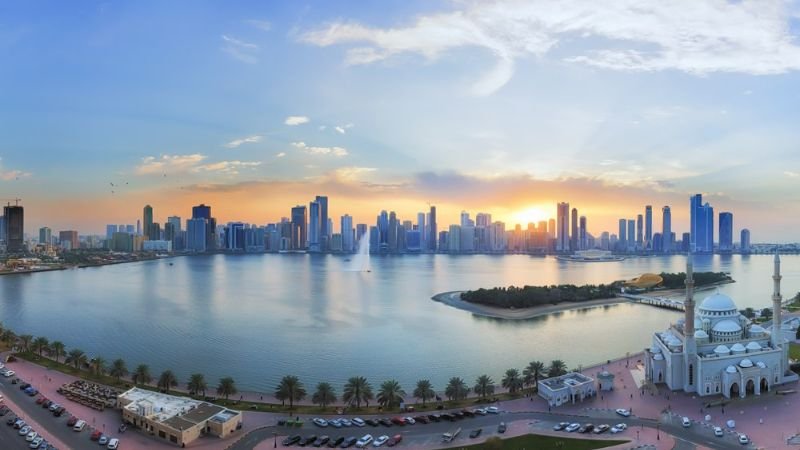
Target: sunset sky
{"type": "Point", "coordinates": [504, 107]}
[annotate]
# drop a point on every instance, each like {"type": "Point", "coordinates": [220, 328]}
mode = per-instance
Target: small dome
{"type": "Point", "coordinates": [718, 302]}
{"type": "Point", "coordinates": [700, 334]}
{"type": "Point", "coordinates": [658, 357]}
{"type": "Point", "coordinates": [730, 369]}
{"type": "Point", "coordinates": [727, 326]}
{"type": "Point", "coordinates": [757, 329]}
{"type": "Point", "coordinates": [706, 321]}
{"type": "Point", "coordinates": [754, 346]}
{"type": "Point", "coordinates": [737, 348]}
{"type": "Point", "coordinates": [722, 350]}
{"type": "Point", "coordinates": [604, 373]}
{"type": "Point", "coordinates": [761, 365]}
{"type": "Point", "coordinates": [746, 363]}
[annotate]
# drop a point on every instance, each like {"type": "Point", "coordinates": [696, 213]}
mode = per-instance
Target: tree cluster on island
{"type": "Point", "coordinates": [531, 296]}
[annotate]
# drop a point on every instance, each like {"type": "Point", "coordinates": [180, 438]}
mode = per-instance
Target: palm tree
{"type": "Point", "coordinates": [40, 344]}
{"type": "Point", "coordinates": [77, 358]}
{"type": "Point", "coordinates": [324, 395]}
{"type": "Point", "coordinates": [557, 368]}
{"type": "Point", "coordinates": [456, 389]}
{"type": "Point", "coordinates": [484, 386]}
{"type": "Point", "coordinates": [141, 375]}
{"type": "Point", "coordinates": [512, 381]}
{"type": "Point", "coordinates": [25, 340]}
{"type": "Point", "coordinates": [290, 388]}
{"type": "Point", "coordinates": [390, 394]}
{"type": "Point", "coordinates": [167, 380]}
{"type": "Point", "coordinates": [118, 369]}
{"type": "Point", "coordinates": [226, 387]}
{"type": "Point", "coordinates": [424, 391]}
{"type": "Point", "coordinates": [98, 365]}
{"type": "Point", "coordinates": [357, 390]}
{"type": "Point", "coordinates": [57, 349]}
{"type": "Point", "coordinates": [532, 373]}
{"type": "Point", "coordinates": [9, 337]}
{"type": "Point", "coordinates": [197, 384]}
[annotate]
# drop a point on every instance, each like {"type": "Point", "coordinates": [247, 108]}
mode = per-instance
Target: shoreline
{"type": "Point", "coordinates": [453, 299]}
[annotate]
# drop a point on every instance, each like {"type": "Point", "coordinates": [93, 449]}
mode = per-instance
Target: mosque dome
{"type": "Point", "coordinates": [727, 326]}
{"type": "Point", "coordinates": [718, 302]}
{"type": "Point", "coordinates": [722, 350]}
{"type": "Point", "coordinates": [737, 348]}
{"type": "Point", "coordinates": [700, 334]}
{"type": "Point", "coordinates": [746, 363]}
{"type": "Point", "coordinates": [761, 365]}
{"type": "Point", "coordinates": [757, 329]}
{"type": "Point", "coordinates": [753, 346]}
{"type": "Point", "coordinates": [730, 369]}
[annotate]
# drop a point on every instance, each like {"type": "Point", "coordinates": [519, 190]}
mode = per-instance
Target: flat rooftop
{"type": "Point", "coordinates": [570, 379]}
{"type": "Point", "coordinates": [164, 406]}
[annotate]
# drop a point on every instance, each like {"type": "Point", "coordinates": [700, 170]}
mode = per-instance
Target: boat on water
{"type": "Point", "coordinates": [591, 256]}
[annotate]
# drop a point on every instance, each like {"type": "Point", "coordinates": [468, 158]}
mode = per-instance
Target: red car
{"type": "Point", "coordinates": [72, 420]}
{"type": "Point", "coordinates": [41, 400]}
{"type": "Point", "coordinates": [398, 420]}
{"type": "Point", "coordinates": [395, 440]}
{"type": "Point", "coordinates": [96, 435]}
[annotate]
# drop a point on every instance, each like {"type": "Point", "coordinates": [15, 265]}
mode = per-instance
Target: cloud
{"type": "Point", "coordinates": [351, 173]}
{"type": "Point", "coordinates": [280, 155]}
{"type": "Point", "coordinates": [340, 130]}
{"type": "Point", "coordinates": [247, 140]}
{"type": "Point", "coordinates": [240, 50]}
{"type": "Point", "coordinates": [262, 25]}
{"type": "Point", "coordinates": [11, 174]}
{"type": "Point", "coordinates": [791, 174]}
{"type": "Point", "coordinates": [172, 164]}
{"type": "Point", "coordinates": [227, 167]}
{"type": "Point", "coordinates": [697, 37]}
{"type": "Point", "coordinates": [296, 120]}
{"type": "Point", "coordinates": [335, 151]}
{"type": "Point", "coordinates": [322, 127]}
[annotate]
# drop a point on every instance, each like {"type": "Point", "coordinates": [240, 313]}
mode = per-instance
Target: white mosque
{"type": "Point", "coordinates": [727, 354]}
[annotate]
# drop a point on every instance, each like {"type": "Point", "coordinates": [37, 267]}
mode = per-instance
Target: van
{"type": "Point", "coordinates": [113, 444]}
{"type": "Point", "coordinates": [79, 425]}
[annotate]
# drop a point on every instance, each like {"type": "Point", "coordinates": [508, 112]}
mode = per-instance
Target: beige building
{"type": "Point", "coordinates": [179, 420]}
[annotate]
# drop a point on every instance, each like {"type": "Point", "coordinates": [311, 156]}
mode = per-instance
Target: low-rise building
{"type": "Point", "coordinates": [570, 388]}
{"type": "Point", "coordinates": [178, 420]}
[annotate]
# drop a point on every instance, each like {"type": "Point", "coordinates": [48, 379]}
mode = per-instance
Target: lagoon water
{"type": "Point", "coordinates": [259, 317]}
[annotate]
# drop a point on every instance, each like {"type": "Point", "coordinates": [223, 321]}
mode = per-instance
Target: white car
{"type": "Point", "coordinates": [346, 422]}
{"type": "Point", "coordinates": [320, 422]}
{"type": "Point", "coordinates": [336, 423]}
{"type": "Point", "coordinates": [492, 410]}
{"type": "Point", "coordinates": [24, 430]}
{"type": "Point", "coordinates": [380, 441]}
{"type": "Point", "coordinates": [619, 428]}
{"type": "Point", "coordinates": [31, 436]}
{"type": "Point", "coordinates": [113, 444]}
{"type": "Point", "coordinates": [364, 441]}
{"type": "Point", "coordinates": [718, 432]}
{"type": "Point", "coordinates": [9, 373]}
{"type": "Point", "coordinates": [36, 443]}
{"type": "Point", "coordinates": [409, 420]}
{"type": "Point", "coordinates": [572, 427]}
{"type": "Point", "coordinates": [686, 422]}
{"type": "Point", "coordinates": [743, 439]}
{"type": "Point", "coordinates": [359, 422]}
{"type": "Point", "coordinates": [623, 412]}
{"type": "Point", "coordinates": [103, 440]}
{"type": "Point", "coordinates": [480, 411]}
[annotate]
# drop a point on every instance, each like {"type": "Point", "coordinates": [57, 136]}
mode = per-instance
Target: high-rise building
{"type": "Point", "coordinates": [483, 220]}
{"type": "Point", "coordinates": [639, 232]}
{"type": "Point", "coordinates": [299, 227]}
{"type": "Point", "coordinates": [45, 236]}
{"type": "Point", "coordinates": [631, 235]}
{"type": "Point", "coordinates": [14, 228]}
{"type": "Point", "coordinates": [110, 230]}
{"type": "Point", "coordinates": [348, 244]}
{"type": "Point", "coordinates": [392, 236]}
{"type": "Point", "coordinates": [622, 241]}
{"type": "Point", "coordinates": [725, 232]}
{"type": "Point", "coordinates": [423, 232]}
{"type": "Point", "coordinates": [69, 240]}
{"type": "Point", "coordinates": [702, 225]}
{"type": "Point", "coordinates": [744, 242]}
{"type": "Point", "coordinates": [196, 234]}
{"type": "Point", "coordinates": [465, 220]}
{"type": "Point", "coordinates": [648, 227]}
{"type": "Point", "coordinates": [201, 211]}
{"type": "Point", "coordinates": [176, 223]}
{"type": "Point", "coordinates": [573, 241]}
{"type": "Point", "coordinates": [314, 227]}
{"type": "Point", "coordinates": [454, 239]}
{"type": "Point", "coordinates": [433, 235]}
{"type": "Point", "coordinates": [551, 228]}
{"type": "Point", "coordinates": [666, 230]}
{"type": "Point", "coordinates": [147, 221]}
{"type": "Point", "coordinates": [583, 242]}
{"type": "Point", "coordinates": [562, 233]}
{"type": "Point", "coordinates": [325, 227]}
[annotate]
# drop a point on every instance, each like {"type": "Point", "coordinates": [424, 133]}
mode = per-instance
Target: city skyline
{"type": "Point", "coordinates": [174, 106]}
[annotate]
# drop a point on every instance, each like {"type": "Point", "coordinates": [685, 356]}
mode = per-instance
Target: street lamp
{"type": "Point", "coordinates": [658, 432]}
{"type": "Point", "coordinates": [275, 435]}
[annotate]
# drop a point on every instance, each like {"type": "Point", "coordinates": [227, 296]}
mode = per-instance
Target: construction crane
{"type": "Point", "coordinates": [15, 200]}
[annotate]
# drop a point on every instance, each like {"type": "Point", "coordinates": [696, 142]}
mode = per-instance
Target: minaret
{"type": "Point", "coordinates": [776, 338]}
{"type": "Point", "coordinates": [689, 345]}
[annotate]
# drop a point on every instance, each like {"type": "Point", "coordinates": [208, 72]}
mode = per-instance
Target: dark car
{"type": "Point", "coordinates": [394, 440]}
{"type": "Point", "coordinates": [458, 415]}
{"type": "Point", "coordinates": [398, 421]}
{"type": "Point", "coordinates": [422, 419]}
{"type": "Point", "coordinates": [501, 428]}
{"type": "Point", "coordinates": [435, 417]}
{"type": "Point", "coordinates": [349, 442]}
{"type": "Point", "coordinates": [59, 411]}
{"type": "Point", "coordinates": [586, 428]}
{"type": "Point", "coordinates": [322, 440]}
{"type": "Point", "coordinates": [385, 422]}
{"type": "Point", "coordinates": [447, 416]}
{"type": "Point", "coordinates": [47, 403]}
{"type": "Point", "coordinates": [372, 422]}
{"type": "Point", "coordinates": [11, 420]}
{"type": "Point", "coordinates": [336, 442]}
{"type": "Point", "coordinates": [308, 440]}
{"type": "Point", "coordinates": [467, 413]}
{"type": "Point", "coordinates": [72, 420]}
{"type": "Point", "coordinates": [24, 386]}
{"type": "Point", "coordinates": [475, 433]}
{"type": "Point", "coordinates": [291, 440]}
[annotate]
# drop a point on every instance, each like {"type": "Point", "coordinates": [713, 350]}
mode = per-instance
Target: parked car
{"type": "Point", "coordinates": [718, 432]}
{"type": "Point", "coordinates": [435, 417]}
{"type": "Point", "coordinates": [475, 433]}
{"type": "Point", "coordinates": [743, 439]}
{"type": "Point", "coordinates": [308, 440]}
{"type": "Point", "coordinates": [71, 421]}
{"type": "Point", "coordinates": [11, 420]}
{"type": "Point", "coordinates": [36, 443]}
{"type": "Point", "coordinates": [380, 440]}
{"type": "Point", "coordinates": [41, 400]}
{"type": "Point", "coordinates": [467, 413]}
{"type": "Point", "coordinates": [601, 429]}
{"type": "Point", "coordinates": [24, 430]}
{"type": "Point", "coordinates": [422, 419]}
{"type": "Point", "coordinates": [31, 436]}
{"type": "Point", "coordinates": [396, 439]}
{"type": "Point", "coordinates": [501, 428]}
{"type": "Point", "coordinates": [346, 422]}
{"type": "Point", "coordinates": [409, 420]}
{"type": "Point", "coordinates": [364, 441]}
{"type": "Point", "coordinates": [623, 412]}
{"type": "Point", "coordinates": [59, 411]}
{"type": "Point", "coordinates": [572, 427]}
{"type": "Point", "coordinates": [113, 444]}
{"type": "Point", "coordinates": [385, 422]}
{"type": "Point", "coordinates": [96, 435]}
{"type": "Point", "coordinates": [586, 428]}
{"type": "Point", "coordinates": [336, 442]}
{"type": "Point", "coordinates": [103, 440]}
{"type": "Point", "coordinates": [481, 411]}
{"type": "Point", "coordinates": [359, 422]}
{"type": "Point", "coordinates": [398, 421]}
{"type": "Point", "coordinates": [619, 428]}
{"type": "Point", "coordinates": [686, 422]}
{"type": "Point", "coordinates": [320, 422]}
{"type": "Point", "coordinates": [560, 426]}
{"type": "Point", "coordinates": [349, 442]}
{"type": "Point", "coordinates": [492, 410]}
{"type": "Point", "coordinates": [372, 422]}
{"type": "Point", "coordinates": [291, 440]}
{"type": "Point", "coordinates": [322, 440]}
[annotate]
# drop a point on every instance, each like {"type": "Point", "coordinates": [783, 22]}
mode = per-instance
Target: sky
{"type": "Point", "coordinates": [504, 106]}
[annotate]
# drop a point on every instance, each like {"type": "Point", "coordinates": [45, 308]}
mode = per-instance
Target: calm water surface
{"type": "Point", "coordinates": [259, 317]}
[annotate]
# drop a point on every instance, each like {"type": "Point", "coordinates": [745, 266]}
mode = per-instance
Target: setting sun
{"type": "Point", "coordinates": [528, 215]}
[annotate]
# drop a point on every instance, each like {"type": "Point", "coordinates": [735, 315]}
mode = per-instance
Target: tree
{"type": "Point", "coordinates": [557, 368]}
{"type": "Point", "coordinates": [390, 394]}
{"type": "Point", "coordinates": [357, 390]}
{"type": "Point", "coordinates": [9, 337]}
{"type": "Point", "coordinates": [484, 385]}
{"type": "Point", "coordinates": [324, 395]}
{"type": "Point", "coordinates": [118, 369]}
{"type": "Point", "coordinates": [57, 349]}
{"type": "Point", "coordinates": [766, 313]}
{"type": "Point", "coordinates": [197, 384]}
{"type": "Point", "coordinates": [424, 391]}
{"type": "Point", "coordinates": [167, 380]}
{"type": "Point", "coordinates": [25, 340]}
{"type": "Point", "coordinates": [456, 389]}
{"type": "Point", "coordinates": [290, 388]}
{"type": "Point", "coordinates": [98, 365]}
{"type": "Point", "coordinates": [512, 381]}
{"type": "Point", "coordinates": [40, 344]}
{"type": "Point", "coordinates": [532, 373]}
{"type": "Point", "coordinates": [226, 387]}
{"type": "Point", "coordinates": [77, 358]}
{"type": "Point", "coordinates": [142, 374]}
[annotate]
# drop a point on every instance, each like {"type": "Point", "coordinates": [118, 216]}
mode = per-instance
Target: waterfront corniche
{"type": "Point", "coordinates": [259, 317]}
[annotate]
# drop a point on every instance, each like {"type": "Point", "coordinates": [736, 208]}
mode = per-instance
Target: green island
{"type": "Point", "coordinates": [534, 441]}
{"type": "Point", "coordinates": [532, 296]}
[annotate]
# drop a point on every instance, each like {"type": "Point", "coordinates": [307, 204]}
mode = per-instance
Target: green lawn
{"type": "Point", "coordinates": [794, 351]}
{"type": "Point", "coordinates": [536, 442]}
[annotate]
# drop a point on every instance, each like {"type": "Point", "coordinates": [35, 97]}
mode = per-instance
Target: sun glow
{"type": "Point", "coordinates": [530, 215]}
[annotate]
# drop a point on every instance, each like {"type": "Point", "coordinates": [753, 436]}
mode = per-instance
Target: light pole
{"type": "Point", "coordinates": [275, 435]}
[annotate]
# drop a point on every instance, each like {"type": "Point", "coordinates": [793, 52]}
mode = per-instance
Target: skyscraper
{"type": "Point", "coordinates": [639, 232]}
{"type": "Point", "coordinates": [325, 230]}
{"type": "Point", "coordinates": [583, 242]}
{"type": "Point", "coordinates": [15, 228]}
{"type": "Point", "coordinates": [562, 232]}
{"type": "Point", "coordinates": [314, 227]}
{"type": "Point", "coordinates": [434, 235]}
{"type": "Point", "coordinates": [483, 220]}
{"type": "Point", "coordinates": [201, 211]}
{"type": "Point", "coordinates": [45, 236]}
{"type": "Point", "coordinates": [648, 227]}
{"type": "Point", "coordinates": [392, 238]}
{"type": "Point", "coordinates": [299, 227]}
{"type": "Point", "coordinates": [744, 242]}
{"type": "Point", "coordinates": [573, 241]}
{"type": "Point", "coordinates": [423, 241]}
{"type": "Point", "coordinates": [622, 242]}
{"type": "Point", "coordinates": [702, 225]}
{"type": "Point", "coordinates": [196, 234]}
{"type": "Point", "coordinates": [666, 230]}
{"type": "Point", "coordinates": [631, 234]}
{"type": "Point", "coordinates": [110, 230]}
{"type": "Point", "coordinates": [147, 221]}
{"type": "Point", "coordinates": [725, 232]}
{"type": "Point", "coordinates": [348, 244]}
